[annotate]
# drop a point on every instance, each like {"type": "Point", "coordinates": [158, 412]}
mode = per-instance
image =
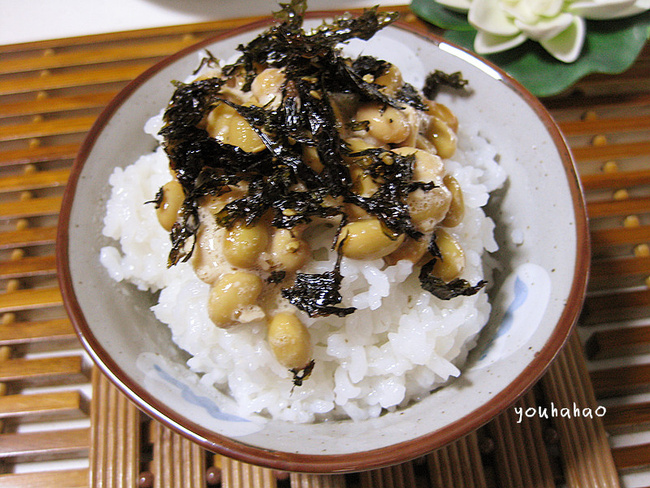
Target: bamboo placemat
{"type": "Point", "coordinates": [63, 424]}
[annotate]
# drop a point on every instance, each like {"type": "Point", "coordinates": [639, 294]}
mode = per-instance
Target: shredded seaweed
{"type": "Point", "coordinates": [394, 173]}
{"type": "Point", "coordinates": [439, 287]}
{"type": "Point", "coordinates": [276, 276]}
{"type": "Point", "coordinates": [446, 290]}
{"type": "Point", "coordinates": [208, 60]}
{"type": "Point", "coordinates": [277, 181]}
{"type": "Point", "coordinates": [300, 375]}
{"type": "Point", "coordinates": [157, 199]}
{"type": "Point", "coordinates": [318, 294]}
{"type": "Point", "coordinates": [434, 81]}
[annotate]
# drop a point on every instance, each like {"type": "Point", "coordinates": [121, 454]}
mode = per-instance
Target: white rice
{"type": "Point", "coordinates": [399, 345]}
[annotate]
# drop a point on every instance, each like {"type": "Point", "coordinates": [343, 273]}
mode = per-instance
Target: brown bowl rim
{"type": "Point", "coordinates": [328, 463]}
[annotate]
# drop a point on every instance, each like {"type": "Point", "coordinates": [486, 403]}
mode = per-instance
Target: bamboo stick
{"type": "Point", "coordinates": [623, 380]}
{"type": "Point", "coordinates": [42, 371]}
{"type": "Point", "coordinates": [61, 405]}
{"type": "Point", "coordinates": [71, 79]}
{"type": "Point", "coordinates": [632, 457]}
{"type": "Point", "coordinates": [586, 453]}
{"type": "Point", "coordinates": [615, 306]}
{"type": "Point", "coordinates": [35, 236]}
{"type": "Point", "coordinates": [68, 478]}
{"type": "Point", "coordinates": [398, 476]}
{"type": "Point", "coordinates": [236, 474]}
{"type": "Point", "coordinates": [617, 342]}
{"type": "Point", "coordinates": [46, 445]}
{"type": "Point", "coordinates": [606, 238]}
{"type": "Point", "coordinates": [20, 300]}
{"type": "Point", "coordinates": [611, 151]}
{"type": "Point", "coordinates": [18, 333]}
{"type": "Point", "coordinates": [621, 179]}
{"type": "Point", "coordinates": [39, 154]}
{"type": "Point", "coordinates": [29, 266]}
{"type": "Point", "coordinates": [34, 207]}
{"type": "Point", "coordinates": [35, 181]}
{"type": "Point", "coordinates": [47, 128]}
{"type": "Point", "coordinates": [177, 463]}
{"type": "Point", "coordinates": [48, 104]}
{"type": "Point", "coordinates": [633, 416]}
{"type": "Point", "coordinates": [301, 480]}
{"type": "Point", "coordinates": [458, 465]}
{"type": "Point", "coordinates": [608, 208]}
{"type": "Point", "coordinates": [598, 126]}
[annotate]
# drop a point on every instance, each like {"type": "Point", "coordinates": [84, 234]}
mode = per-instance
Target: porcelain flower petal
{"type": "Point", "coordinates": [608, 9]}
{"type": "Point", "coordinates": [547, 8]}
{"type": "Point", "coordinates": [486, 43]}
{"type": "Point", "coordinates": [566, 46]}
{"type": "Point", "coordinates": [531, 11]}
{"type": "Point", "coordinates": [488, 16]}
{"type": "Point", "coordinates": [546, 28]}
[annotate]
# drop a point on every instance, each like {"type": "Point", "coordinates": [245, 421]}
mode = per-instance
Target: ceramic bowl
{"type": "Point", "coordinates": [536, 300]}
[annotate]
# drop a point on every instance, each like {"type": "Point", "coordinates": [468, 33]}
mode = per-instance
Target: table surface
{"type": "Point", "coordinates": [63, 424]}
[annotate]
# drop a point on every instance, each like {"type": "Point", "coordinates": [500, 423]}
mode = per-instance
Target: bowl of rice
{"type": "Point", "coordinates": [390, 356]}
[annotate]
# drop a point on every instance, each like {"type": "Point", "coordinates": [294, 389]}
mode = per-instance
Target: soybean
{"type": "Point", "coordinates": [231, 296]}
{"type": "Point", "coordinates": [456, 210]}
{"type": "Point", "coordinates": [368, 239]}
{"type": "Point", "coordinates": [243, 244]}
{"type": "Point", "coordinates": [443, 137]}
{"type": "Point", "coordinates": [452, 263]}
{"type": "Point", "coordinates": [412, 249]}
{"type": "Point", "coordinates": [289, 340]}
{"type": "Point", "coordinates": [267, 86]}
{"type": "Point", "coordinates": [443, 113]}
{"type": "Point", "coordinates": [427, 207]}
{"type": "Point", "coordinates": [172, 199]}
{"type": "Point", "coordinates": [228, 127]}
{"type": "Point", "coordinates": [288, 252]}
{"type": "Point", "coordinates": [386, 124]}
{"type": "Point", "coordinates": [363, 184]}
{"type": "Point", "coordinates": [391, 80]}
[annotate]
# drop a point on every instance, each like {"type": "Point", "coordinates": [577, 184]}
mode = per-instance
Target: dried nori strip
{"type": "Point", "coordinates": [394, 173]}
{"type": "Point", "coordinates": [318, 294]}
{"type": "Point", "coordinates": [300, 375]}
{"type": "Point", "coordinates": [209, 60]}
{"type": "Point", "coordinates": [157, 199]}
{"type": "Point", "coordinates": [437, 286]}
{"type": "Point", "coordinates": [434, 81]}
{"type": "Point", "coordinates": [182, 231]}
{"type": "Point", "coordinates": [409, 95]}
{"type": "Point", "coordinates": [370, 65]}
{"type": "Point", "coordinates": [446, 290]}
{"type": "Point", "coordinates": [276, 276]}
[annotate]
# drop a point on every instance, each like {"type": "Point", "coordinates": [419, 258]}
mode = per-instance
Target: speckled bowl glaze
{"type": "Point", "coordinates": [536, 297]}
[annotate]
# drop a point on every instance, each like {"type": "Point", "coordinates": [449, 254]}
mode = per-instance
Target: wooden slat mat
{"type": "Point", "coordinates": [63, 424]}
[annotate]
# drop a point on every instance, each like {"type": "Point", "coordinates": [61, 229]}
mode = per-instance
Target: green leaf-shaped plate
{"type": "Point", "coordinates": [611, 46]}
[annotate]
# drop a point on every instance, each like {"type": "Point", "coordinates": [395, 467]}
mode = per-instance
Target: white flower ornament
{"type": "Point", "coordinates": [558, 25]}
